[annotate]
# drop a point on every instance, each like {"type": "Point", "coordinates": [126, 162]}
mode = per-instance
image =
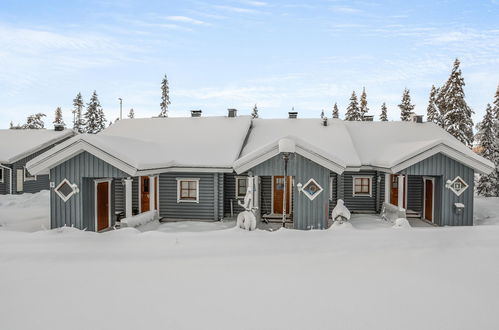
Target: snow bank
{"type": "Point", "coordinates": [140, 219]}
{"type": "Point", "coordinates": [340, 210]}
{"type": "Point", "coordinates": [25, 212]}
{"type": "Point", "coordinates": [391, 212]}
{"type": "Point", "coordinates": [343, 225]}
{"type": "Point", "coordinates": [402, 223]}
{"type": "Point", "coordinates": [486, 211]}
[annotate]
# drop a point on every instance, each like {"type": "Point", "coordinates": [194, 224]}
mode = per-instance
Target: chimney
{"type": "Point", "coordinates": [231, 113]}
{"type": "Point", "coordinates": [368, 118]}
{"type": "Point", "coordinates": [58, 127]}
{"type": "Point", "coordinates": [417, 118]}
{"type": "Point", "coordinates": [196, 113]}
{"type": "Point", "coordinates": [293, 114]}
{"type": "Point", "coordinates": [324, 121]}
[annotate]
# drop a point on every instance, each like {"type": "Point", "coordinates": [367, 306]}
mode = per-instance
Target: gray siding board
{"type": "Point", "coordinates": [445, 168]}
{"type": "Point", "coordinates": [415, 193]}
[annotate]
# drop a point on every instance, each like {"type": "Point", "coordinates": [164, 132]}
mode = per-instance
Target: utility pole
{"type": "Point", "coordinates": [121, 107]}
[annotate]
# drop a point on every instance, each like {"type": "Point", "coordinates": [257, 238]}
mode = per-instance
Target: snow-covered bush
{"type": "Point", "coordinates": [340, 212]}
{"type": "Point", "coordinates": [139, 219]}
{"type": "Point", "coordinates": [246, 220]}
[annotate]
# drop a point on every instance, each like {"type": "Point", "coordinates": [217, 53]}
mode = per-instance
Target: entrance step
{"type": "Point", "coordinates": [410, 214]}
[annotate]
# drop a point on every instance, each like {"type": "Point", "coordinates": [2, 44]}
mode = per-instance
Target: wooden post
{"type": "Point", "coordinates": [400, 192]}
{"type": "Point", "coordinates": [152, 193]}
{"type": "Point", "coordinates": [128, 197]}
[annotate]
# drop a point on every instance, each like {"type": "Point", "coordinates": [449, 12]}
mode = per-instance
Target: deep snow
{"type": "Point", "coordinates": [347, 277]}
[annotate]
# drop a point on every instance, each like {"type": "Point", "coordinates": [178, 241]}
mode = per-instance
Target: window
{"type": "Point", "coordinates": [458, 186]}
{"type": "Point", "coordinates": [187, 190]}
{"type": "Point", "coordinates": [241, 186]}
{"type": "Point", "coordinates": [65, 190]}
{"type": "Point", "coordinates": [362, 186]}
{"type": "Point", "coordinates": [1, 175]}
{"type": "Point", "coordinates": [28, 176]}
{"type": "Point", "coordinates": [311, 189]}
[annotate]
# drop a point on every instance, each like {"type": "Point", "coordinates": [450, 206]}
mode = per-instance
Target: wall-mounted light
{"type": "Point", "coordinates": [299, 186]}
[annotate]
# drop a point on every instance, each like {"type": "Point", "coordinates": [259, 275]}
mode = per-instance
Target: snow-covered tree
{"type": "Point", "coordinates": [35, 121]}
{"type": "Point", "coordinates": [322, 114]}
{"type": "Point", "coordinates": [432, 112]}
{"type": "Point", "coordinates": [165, 97]}
{"type": "Point", "coordinates": [78, 122]}
{"type": "Point", "coordinates": [336, 112]}
{"type": "Point", "coordinates": [131, 114]}
{"type": "Point", "coordinates": [456, 114]}
{"type": "Point", "coordinates": [495, 109]}
{"type": "Point", "coordinates": [384, 113]}
{"type": "Point", "coordinates": [12, 126]}
{"type": "Point", "coordinates": [487, 147]}
{"type": "Point", "coordinates": [58, 121]}
{"type": "Point", "coordinates": [405, 106]}
{"type": "Point", "coordinates": [95, 120]}
{"type": "Point", "coordinates": [363, 110]}
{"type": "Point", "coordinates": [254, 113]}
{"type": "Point", "coordinates": [353, 112]}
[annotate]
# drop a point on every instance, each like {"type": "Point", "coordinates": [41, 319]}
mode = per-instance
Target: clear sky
{"type": "Point", "coordinates": [233, 54]}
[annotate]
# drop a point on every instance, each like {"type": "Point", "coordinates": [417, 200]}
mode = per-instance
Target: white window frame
{"type": "Point", "coordinates": [32, 178]}
{"type": "Point", "coordinates": [331, 182]}
{"type": "Point", "coordinates": [2, 179]}
{"type": "Point", "coordinates": [312, 197]}
{"type": "Point", "coordinates": [179, 199]}
{"type": "Point", "coordinates": [237, 186]}
{"type": "Point", "coordinates": [65, 198]}
{"type": "Point", "coordinates": [458, 193]}
{"type": "Point", "coordinates": [370, 194]}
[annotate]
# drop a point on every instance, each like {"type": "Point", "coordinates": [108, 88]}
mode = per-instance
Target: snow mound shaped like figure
{"type": "Point", "coordinates": [246, 219]}
{"type": "Point", "coordinates": [340, 212]}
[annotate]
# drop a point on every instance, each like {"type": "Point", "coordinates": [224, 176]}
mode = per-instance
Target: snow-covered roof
{"type": "Point", "coordinates": [158, 144]}
{"type": "Point", "coordinates": [16, 144]}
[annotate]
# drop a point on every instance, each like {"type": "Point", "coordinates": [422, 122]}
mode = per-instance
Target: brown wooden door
{"type": "Point", "coordinates": [279, 194]}
{"type": "Point", "coordinates": [144, 193]}
{"type": "Point", "coordinates": [394, 190]}
{"type": "Point", "coordinates": [102, 205]}
{"type": "Point", "coordinates": [428, 201]}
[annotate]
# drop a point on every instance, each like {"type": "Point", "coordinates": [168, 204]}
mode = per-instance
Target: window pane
{"type": "Point", "coordinates": [192, 184]}
{"type": "Point", "coordinates": [184, 184]}
{"type": "Point", "coordinates": [365, 189]}
{"type": "Point", "coordinates": [65, 189]}
{"type": "Point", "coordinates": [184, 193]}
{"type": "Point", "coordinates": [192, 194]}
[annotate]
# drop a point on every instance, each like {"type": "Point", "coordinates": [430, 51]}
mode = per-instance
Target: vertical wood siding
{"type": "Point", "coordinates": [445, 168]}
{"type": "Point", "coordinates": [415, 193]}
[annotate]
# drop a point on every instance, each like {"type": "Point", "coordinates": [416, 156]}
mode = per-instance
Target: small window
{"type": "Point", "coordinates": [65, 190]}
{"type": "Point", "coordinates": [188, 190]}
{"type": "Point", "coordinates": [362, 186]}
{"type": "Point", "coordinates": [28, 176]}
{"type": "Point", "coordinates": [241, 186]}
{"type": "Point", "coordinates": [1, 175]}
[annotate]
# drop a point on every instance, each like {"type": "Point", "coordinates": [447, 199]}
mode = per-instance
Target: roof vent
{"type": "Point", "coordinates": [231, 113]}
{"type": "Point", "coordinates": [58, 127]}
{"type": "Point", "coordinates": [417, 118]}
{"type": "Point", "coordinates": [293, 114]}
{"type": "Point", "coordinates": [196, 113]}
{"type": "Point", "coordinates": [368, 118]}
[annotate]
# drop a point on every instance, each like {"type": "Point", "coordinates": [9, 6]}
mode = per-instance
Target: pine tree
{"type": "Point", "coordinates": [254, 114]}
{"type": "Point", "coordinates": [336, 112]}
{"type": "Point", "coordinates": [322, 114]}
{"type": "Point", "coordinates": [35, 121]}
{"type": "Point", "coordinates": [353, 109]}
{"type": "Point", "coordinates": [432, 112]}
{"type": "Point", "coordinates": [384, 113]}
{"type": "Point", "coordinates": [405, 106]}
{"type": "Point", "coordinates": [487, 148]}
{"type": "Point", "coordinates": [495, 156]}
{"type": "Point", "coordinates": [455, 112]}
{"type": "Point", "coordinates": [363, 104]}
{"type": "Point", "coordinates": [58, 121]}
{"type": "Point", "coordinates": [78, 122]}
{"type": "Point", "coordinates": [165, 97]}
{"type": "Point", "coordinates": [12, 126]}
{"type": "Point", "coordinates": [94, 117]}
{"type": "Point", "coordinates": [495, 109]}
{"type": "Point", "coordinates": [131, 114]}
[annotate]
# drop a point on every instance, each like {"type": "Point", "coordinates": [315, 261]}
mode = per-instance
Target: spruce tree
{"type": "Point", "coordinates": [432, 112]}
{"type": "Point", "coordinates": [363, 110]}
{"type": "Point", "coordinates": [487, 148]}
{"type": "Point", "coordinates": [78, 122]}
{"type": "Point", "coordinates": [322, 114]}
{"type": "Point", "coordinates": [35, 121]}
{"type": "Point", "coordinates": [405, 106]}
{"type": "Point", "coordinates": [131, 114]}
{"type": "Point", "coordinates": [58, 121]}
{"type": "Point", "coordinates": [95, 120]}
{"type": "Point", "coordinates": [384, 113]}
{"type": "Point", "coordinates": [254, 114]}
{"type": "Point", "coordinates": [495, 156]}
{"type": "Point", "coordinates": [456, 114]}
{"type": "Point", "coordinates": [495, 109]}
{"type": "Point", "coordinates": [165, 97]}
{"type": "Point", "coordinates": [353, 113]}
{"type": "Point", "coordinates": [336, 112]}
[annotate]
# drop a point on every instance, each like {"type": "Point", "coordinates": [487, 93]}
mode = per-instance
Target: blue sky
{"type": "Point", "coordinates": [224, 54]}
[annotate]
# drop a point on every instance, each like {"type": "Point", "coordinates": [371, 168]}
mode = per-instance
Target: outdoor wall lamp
{"type": "Point", "coordinates": [299, 186]}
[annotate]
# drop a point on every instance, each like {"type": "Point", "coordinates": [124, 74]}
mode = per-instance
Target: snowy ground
{"type": "Point", "coordinates": [187, 276]}
{"type": "Point", "coordinates": [27, 212]}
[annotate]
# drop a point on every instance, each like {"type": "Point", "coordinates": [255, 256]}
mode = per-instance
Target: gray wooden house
{"type": "Point", "coordinates": [198, 168]}
{"type": "Point", "coordinates": [17, 147]}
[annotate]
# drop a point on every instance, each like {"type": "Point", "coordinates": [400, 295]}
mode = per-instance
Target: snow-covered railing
{"type": "Point", "coordinates": [139, 219]}
{"type": "Point", "coordinates": [391, 212]}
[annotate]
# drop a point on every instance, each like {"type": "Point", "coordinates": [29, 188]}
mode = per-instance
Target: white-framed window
{"type": "Point", "coordinates": [312, 189]}
{"type": "Point", "coordinates": [458, 186]}
{"type": "Point", "coordinates": [187, 190]}
{"type": "Point", "coordinates": [2, 173]}
{"type": "Point", "coordinates": [65, 190]}
{"type": "Point", "coordinates": [241, 186]}
{"type": "Point", "coordinates": [362, 186]}
{"type": "Point", "coordinates": [28, 176]}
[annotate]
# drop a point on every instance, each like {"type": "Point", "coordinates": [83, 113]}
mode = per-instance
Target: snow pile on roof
{"type": "Point", "coordinates": [19, 143]}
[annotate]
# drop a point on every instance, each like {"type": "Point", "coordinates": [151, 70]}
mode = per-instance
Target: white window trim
{"type": "Point", "coordinates": [2, 179]}
{"type": "Point", "coordinates": [179, 200]}
{"type": "Point", "coordinates": [331, 182]}
{"type": "Point", "coordinates": [458, 193]}
{"type": "Point", "coordinates": [65, 198]}
{"type": "Point", "coordinates": [96, 183]}
{"type": "Point", "coordinates": [370, 177]}
{"type": "Point", "coordinates": [312, 197]}
{"type": "Point", "coordinates": [33, 178]}
{"type": "Point", "coordinates": [237, 186]}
